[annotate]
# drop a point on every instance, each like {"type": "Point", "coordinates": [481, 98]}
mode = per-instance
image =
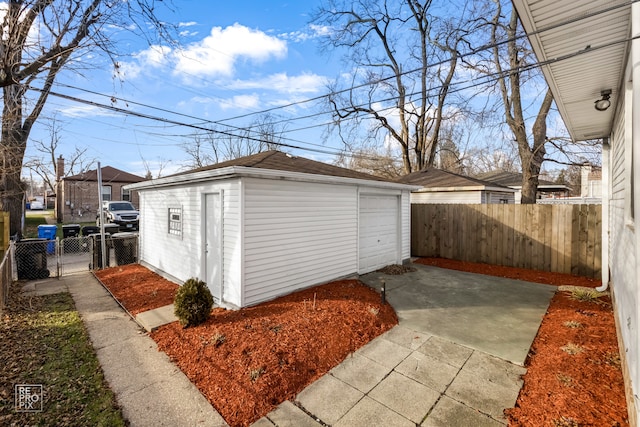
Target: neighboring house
{"type": "Point", "coordinates": [546, 189]}
{"type": "Point", "coordinates": [439, 186]}
{"type": "Point", "coordinates": [269, 224]}
{"type": "Point", "coordinates": [78, 198]}
{"type": "Point", "coordinates": [590, 181]}
{"type": "Point", "coordinates": [598, 44]}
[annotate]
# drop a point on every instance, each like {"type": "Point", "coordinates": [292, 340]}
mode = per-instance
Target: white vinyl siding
{"type": "Point", "coordinates": [180, 257]}
{"type": "Point", "coordinates": [296, 234]}
{"type": "Point", "coordinates": [622, 248]}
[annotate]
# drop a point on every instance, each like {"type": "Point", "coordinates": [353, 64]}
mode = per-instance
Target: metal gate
{"type": "Point", "coordinates": [39, 258]}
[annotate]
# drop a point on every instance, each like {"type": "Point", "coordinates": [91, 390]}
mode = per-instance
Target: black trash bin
{"type": "Point", "coordinates": [88, 230]}
{"type": "Point", "coordinates": [124, 246]}
{"type": "Point", "coordinates": [111, 228]}
{"type": "Point", "coordinates": [70, 233]}
{"type": "Point", "coordinates": [70, 230]}
{"type": "Point", "coordinates": [85, 241]}
{"type": "Point", "coordinates": [31, 259]}
{"type": "Point", "coordinates": [97, 251]}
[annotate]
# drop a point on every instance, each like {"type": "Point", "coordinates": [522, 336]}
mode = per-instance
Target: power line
{"type": "Point", "coordinates": [378, 81]}
{"type": "Point", "coordinates": [483, 81]}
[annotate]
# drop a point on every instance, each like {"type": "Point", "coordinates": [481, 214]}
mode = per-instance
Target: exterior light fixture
{"type": "Point", "coordinates": [604, 103]}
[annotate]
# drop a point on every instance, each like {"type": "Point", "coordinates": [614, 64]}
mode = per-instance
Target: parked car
{"type": "Point", "coordinates": [36, 206]}
{"type": "Point", "coordinates": [122, 213]}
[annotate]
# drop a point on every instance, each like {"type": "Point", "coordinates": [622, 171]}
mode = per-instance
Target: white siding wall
{"type": "Point", "coordinates": [296, 235]}
{"type": "Point", "coordinates": [180, 257]}
{"type": "Point", "coordinates": [622, 254]}
{"type": "Point", "coordinates": [446, 197]}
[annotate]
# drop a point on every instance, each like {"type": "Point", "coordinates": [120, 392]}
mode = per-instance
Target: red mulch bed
{"type": "Point", "coordinates": [248, 361]}
{"type": "Point", "coordinates": [137, 288]}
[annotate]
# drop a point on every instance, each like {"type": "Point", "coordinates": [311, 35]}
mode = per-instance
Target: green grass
{"type": "Point", "coordinates": [51, 347]}
{"type": "Point", "coordinates": [32, 222]}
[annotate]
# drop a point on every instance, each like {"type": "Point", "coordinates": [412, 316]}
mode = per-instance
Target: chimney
{"type": "Point", "coordinates": [59, 168]}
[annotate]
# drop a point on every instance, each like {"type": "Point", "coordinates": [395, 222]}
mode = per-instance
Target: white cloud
{"type": "Point", "coordinates": [218, 53]}
{"type": "Point", "coordinates": [314, 31]}
{"type": "Point", "coordinates": [240, 102]}
{"type": "Point", "coordinates": [187, 24]}
{"type": "Point", "coordinates": [281, 82]}
{"type": "Point", "coordinates": [85, 111]}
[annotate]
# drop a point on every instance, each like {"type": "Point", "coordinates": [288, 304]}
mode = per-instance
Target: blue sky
{"type": "Point", "coordinates": [236, 59]}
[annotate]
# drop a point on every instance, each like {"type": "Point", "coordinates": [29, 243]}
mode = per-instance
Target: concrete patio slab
{"type": "Point", "coordinates": [428, 371]}
{"type": "Point", "coordinates": [446, 351]}
{"type": "Point", "coordinates": [499, 381]}
{"type": "Point", "coordinates": [394, 391]}
{"type": "Point", "coordinates": [406, 337]}
{"type": "Point", "coordinates": [360, 372]}
{"type": "Point", "coordinates": [289, 415]}
{"type": "Point", "coordinates": [384, 352]}
{"type": "Point", "coordinates": [368, 412]}
{"type": "Point", "coordinates": [329, 399]}
{"type": "Point", "coordinates": [495, 315]}
{"type": "Point", "coordinates": [153, 319]}
{"type": "Point", "coordinates": [448, 413]}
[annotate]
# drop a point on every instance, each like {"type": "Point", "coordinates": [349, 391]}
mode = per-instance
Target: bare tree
{"type": "Point", "coordinates": [403, 59]}
{"type": "Point", "coordinates": [508, 59]}
{"type": "Point", "coordinates": [373, 161]}
{"type": "Point", "coordinates": [45, 163]}
{"type": "Point", "coordinates": [220, 144]}
{"type": "Point", "coordinates": [66, 30]}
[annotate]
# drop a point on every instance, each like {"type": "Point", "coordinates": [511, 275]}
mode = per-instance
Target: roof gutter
{"type": "Point", "coordinates": [243, 171]}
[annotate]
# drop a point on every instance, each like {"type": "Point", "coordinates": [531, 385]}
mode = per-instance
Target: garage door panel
{"type": "Point", "coordinates": [378, 232]}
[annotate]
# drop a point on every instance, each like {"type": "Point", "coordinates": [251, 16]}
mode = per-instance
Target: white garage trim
{"type": "Point", "coordinates": [379, 231]}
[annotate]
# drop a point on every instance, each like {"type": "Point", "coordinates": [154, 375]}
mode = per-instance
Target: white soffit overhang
{"type": "Point", "coordinates": [585, 45]}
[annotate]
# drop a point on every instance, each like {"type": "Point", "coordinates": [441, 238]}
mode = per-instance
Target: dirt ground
{"type": "Point", "coordinates": [248, 361]}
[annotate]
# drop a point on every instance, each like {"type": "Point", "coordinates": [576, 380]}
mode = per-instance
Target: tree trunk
{"type": "Point", "coordinates": [12, 153]}
{"type": "Point", "coordinates": [533, 157]}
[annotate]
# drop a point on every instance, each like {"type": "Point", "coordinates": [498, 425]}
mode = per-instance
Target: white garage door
{"type": "Point", "coordinates": [378, 232]}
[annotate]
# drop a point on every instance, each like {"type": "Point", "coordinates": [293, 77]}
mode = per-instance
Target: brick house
{"type": "Point", "coordinates": [78, 195]}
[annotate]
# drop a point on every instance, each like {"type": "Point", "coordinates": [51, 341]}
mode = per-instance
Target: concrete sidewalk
{"type": "Point", "coordinates": [149, 388]}
{"type": "Point", "coordinates": [455, 359]}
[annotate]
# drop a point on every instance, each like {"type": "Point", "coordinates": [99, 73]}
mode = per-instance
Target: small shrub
{"type": "Point", "coordinates": [588, 295]}
{"type": "Point", "coordinates": [193, 303]}
{"type": "Point", "coordinates": [572, 324]}
{"type": "Point", "coordinates": [254, 374]}
{"type": "Point", "coordinates": [572, 348]}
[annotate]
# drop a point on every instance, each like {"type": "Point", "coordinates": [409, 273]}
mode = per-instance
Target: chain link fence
{"type": "Point", "coordinates": [42, 258]}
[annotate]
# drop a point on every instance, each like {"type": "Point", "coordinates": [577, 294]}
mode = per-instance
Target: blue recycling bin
{"type": "Point", "coordinates": [48, 232]}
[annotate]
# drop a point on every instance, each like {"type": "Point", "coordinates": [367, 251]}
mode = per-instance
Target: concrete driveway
{"type": "Point", "coordinates": [494, 315]}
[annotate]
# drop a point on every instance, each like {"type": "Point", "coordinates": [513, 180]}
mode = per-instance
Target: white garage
{"type": "Point", "coordinates": [265, 225]}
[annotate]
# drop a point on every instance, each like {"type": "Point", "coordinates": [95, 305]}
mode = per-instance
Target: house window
{"type": "Point", "coordinates": [126, 195]}
{"type": "Point", "coordinates": [175, 221]}
{"type": "Point", "coordinates": [504, 201]}
{"type": "Point", "coordinates": [106, 193]}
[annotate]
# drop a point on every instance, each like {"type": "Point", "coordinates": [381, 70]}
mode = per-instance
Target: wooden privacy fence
{"type": "Point", "coordinates": [557, 238]}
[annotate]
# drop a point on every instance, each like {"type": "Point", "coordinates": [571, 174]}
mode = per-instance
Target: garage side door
{"type": "Point", "coordinates": [378, 232]}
